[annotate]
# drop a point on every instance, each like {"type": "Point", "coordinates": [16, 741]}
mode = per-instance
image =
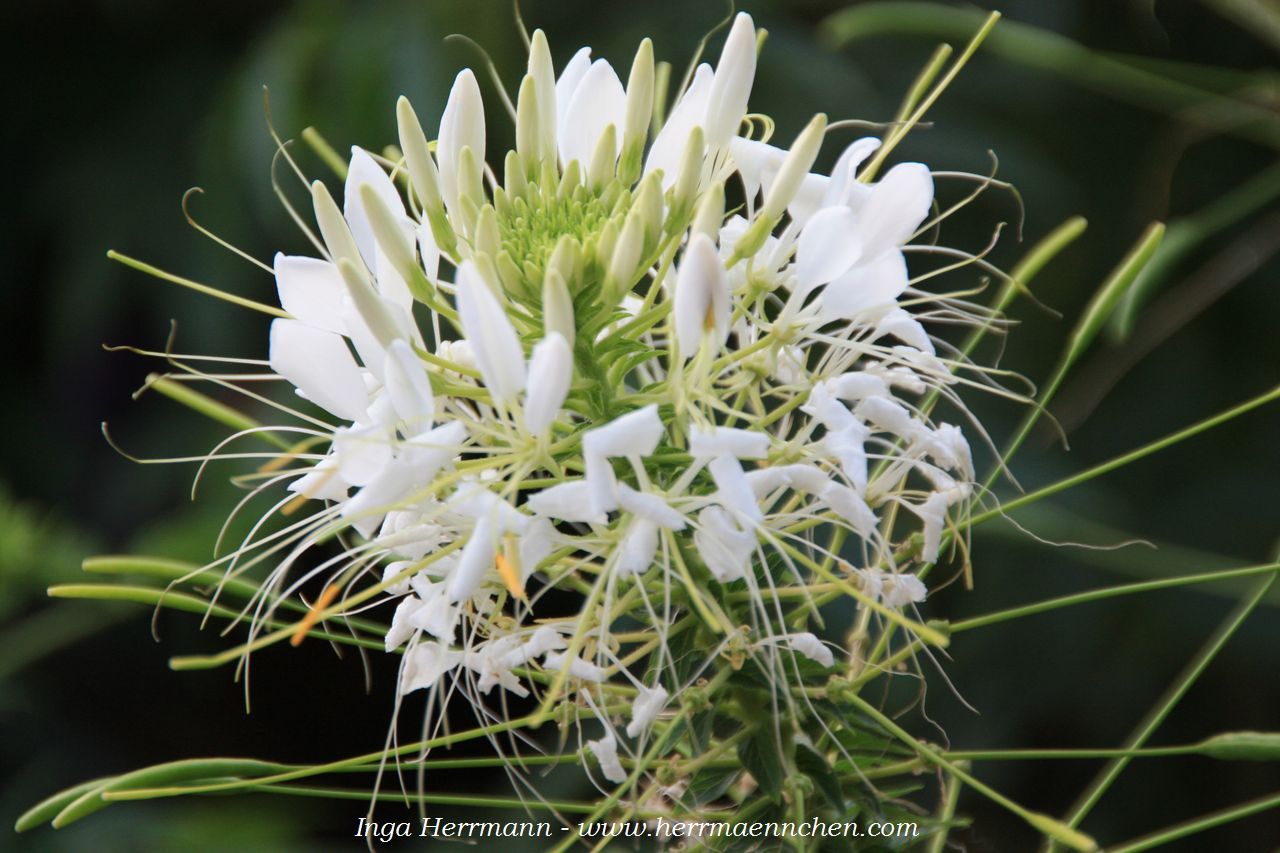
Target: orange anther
{"type": "Point", "coordinates": [510, 576]}
{"type": "Point", "coordinates": [313, 615]}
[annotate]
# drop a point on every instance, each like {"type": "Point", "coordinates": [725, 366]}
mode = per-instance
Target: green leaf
{"type": "Point", "coordinates": [710, 784]}
{"type": "Point", "coordinates": [815, 766]}
{"type": "Point", "coordinates": [759, 755]}
{"type": "Point", "coordinates": [45, 810]}
{"type": "Point", "coordinates": [93, 796]}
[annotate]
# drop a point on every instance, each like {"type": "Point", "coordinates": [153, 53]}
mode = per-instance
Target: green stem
{"type": "Point", "coordinates": [1170, 700]}
{"type": "Point", "coordinates": [1043, 823]}
{"type": "Point", "coordinates": [1125, 459]}
{"type": "Point", "coordinates": [1200, 824]}
{"type": "Point", "coordinates": [1033, 47]}
{"type": "Point", "coordinates": [141, 266]}
{"type": "Point", "coordinates": [1108, 592]}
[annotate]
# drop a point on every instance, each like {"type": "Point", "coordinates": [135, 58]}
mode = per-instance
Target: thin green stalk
{"type": "Point", "coordinates": [1200, 824]}
{"type": "Point", "coordinates": [325, 151]}
{"type": "Point", "coordinates": [1043, 823]}
{"type": "Point", "coordinates": [1190, 232]}
{"type": "Point", "coordinates": [900, 131]}
{"type": "Point", "coordinates": [1126, 458]}
{"type": "Point", "coordinates": [1080, 754]}
{"type": "Point", "coordinates": [1105, 593]}
{"type": "Point", "coordinates": [303, 772]}
{"type": "Point", "coordinates": [1032, 47]}
{"type": "Point", "coordinates": [142, 266]}
{"type": "Point", "coordinates": [1169, 700]}
{"type": "Point", "coordinates": [947, 812]}
{"type": "Point", "coordinates": [213, 409]}
{"type": "Point", "coordinates": [472, 800]}
{"type": "Point", "coordinates": [1086, 329]}
{"type": "Point", "coordinates": [923, 80]}
{"type": "Point", "coordinates": [189, 603]}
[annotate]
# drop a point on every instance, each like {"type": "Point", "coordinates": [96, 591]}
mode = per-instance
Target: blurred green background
{"type": "Point", "coordinates": [114, 109]}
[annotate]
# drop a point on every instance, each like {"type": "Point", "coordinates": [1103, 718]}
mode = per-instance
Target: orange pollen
{"type": "Point", "coordinates": [313, 616]}
{"type": "Point", "coordinates": [294, 505]}
{"type": "Point", "coordinates": [510, 576]}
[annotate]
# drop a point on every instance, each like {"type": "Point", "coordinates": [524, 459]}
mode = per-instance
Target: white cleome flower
{"type": "Point", "coordinates": [657, 375]}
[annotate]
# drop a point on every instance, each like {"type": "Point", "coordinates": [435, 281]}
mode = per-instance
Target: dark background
{"type": "Point", "coordinates": [114, 109]}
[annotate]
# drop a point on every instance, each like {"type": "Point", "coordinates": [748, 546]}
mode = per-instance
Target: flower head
{"type": "Point", "coordinates": [684, 379]}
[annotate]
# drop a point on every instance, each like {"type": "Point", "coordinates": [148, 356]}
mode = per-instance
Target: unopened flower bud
{"type": "Point", "coordinates": [557, 306]}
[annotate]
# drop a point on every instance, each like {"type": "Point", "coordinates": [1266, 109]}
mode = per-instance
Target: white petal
{"type": "Point", "coordinates": [400, 629]}
{"type": "Point", "coordinates": [311, 290]}
{"type": "Point", "coordinates": [323, 482]}
{"type": "Point", "coordinates": [392, 322]}
{"type": "Point", "coordinates": [493, 339]}
{"type": "Point", "coordinates": [570, 77]}
{"type": "Point", "coordinates": [844, 176]}
{"type": "Point", "coordinates": [545, 639]}
{"type": "Point", "coordinates": [799, 476]}
{"type": "Point", "coordinates": [899, 590]}
{"type": "Point", "coordinates": [850, 506]}
{"type": "Point", "coordinates": [757, 162]}
{"type": "Point", "coordinates": [368, 509]}
{"type": "Point", "coordinates": [648, 704]}
{"type": "Point", "coordinates": [428, 452]}
{"type": "Point", "coordinates": [550, 372]}
{"type": "Point", "coordinates": [727, 441]}
{"type": "Point", "coordinates": [827, 248]}
{"type": "Point", "coordinates": [567, 502]}
{"type": "Point", "coordinates": [848, 445]}
{"type": "Point", "coordinates": [950, 449]}
{"type": "Point", "coordinates": [576, 667]}
{"type": "Point", "coordinates": [474, 562]}
{"type": "Point", "coordinates": [437, 616]}
{"type": "Point", "coordinates": [637, 548]}
{"type": "Point", "coordinates": [651, 507]}
{"type": "Point", "coordinates": [897, 205]}
{"type": "Point", "coordinates": [425, 663]}
{"type": "Point", "coordinates": [731, 89]}
{"type": "Point", "coordinates": [491, 665]}
{"type": "Point", "coordinates": [319, 364]}
{"type": "Point", "coordinates": [606, 752]}
{"type": "Point", "coordinates": [810, 646]}
{"type": "Point", "coordinates": [477, 501]}
{"type": "Point", "coordinates": [869, 288]}
{"type": "Point", "coordinates": [857, 384]}
{"type": "Point", "coordinates": [602, 483]}
{"type": "Point", "coordinates": [408, 385]}
{"type": "Point", "coordinates": [807, 201]}
{"type": "Point", "coordinates": [363, 169]}
{"type": "Point", "coordinates": [888, 416]}
{"type": "Point", "coordinates": [733, 490]}
{"type": "Point", "coordinates": [362, 452]}
{"type": "Point", "coordinates": [461, 126]}
{"type": "Point", "coordinates": [906, 328]}
{"type": "Point", "coordinates": [933, 512]}
{"type": "Point", "coordinates": [824, 408]}
{"type": "Point", "coordinates": [689, 112]}
{"type": "Point", "coordinates": [598, 101]}
{"type": "Point", "coordinates": [536, 544]}
{"type": "Point", "coordinates": [429, 251]}
{"type": "Point", "coordinates": [701, 302]}
{"type": "Point", "coordinates": [635, 433]}
{"type": "Point", "coordinates": [723, 546]}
